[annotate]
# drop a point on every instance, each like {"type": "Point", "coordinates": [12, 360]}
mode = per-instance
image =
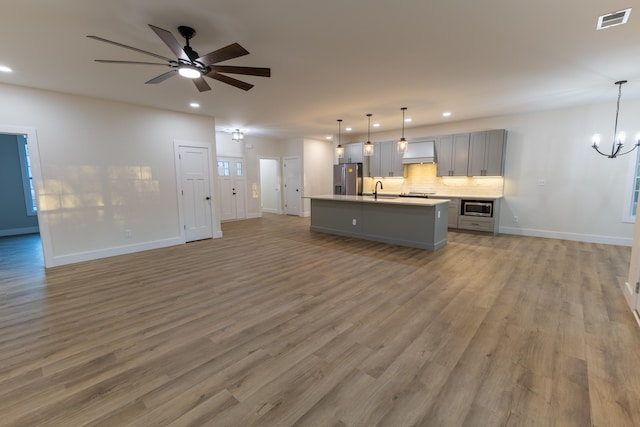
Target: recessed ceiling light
{"type": "Point", "coordinates": [446, 114]}
{"type": "Point", "coordinates": [328, 137]}
{"type": "Point", "coordinates": [5, 69]}
{"type": "Point", "coordinates": [376, 125]}
{"type": "Point", "coordinates": [348, 129]}
{"type": "Point", "coordinates": [194, 105]}
{"type": "Point", "coordinates": [613, 19]}
{"type": "Point", "coordinates": [408, 119]}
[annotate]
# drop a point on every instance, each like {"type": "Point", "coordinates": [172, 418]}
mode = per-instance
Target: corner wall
{"type": "Point", "coordinates": [105, 168]}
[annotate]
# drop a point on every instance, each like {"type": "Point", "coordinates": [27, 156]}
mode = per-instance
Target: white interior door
{"type": "Point", "coordinates": [196, 192]}
{"type": "Point", "coordinates": [231, 177]}
{"type": "Point", "coordinates": [292, 193]}
{"type": "Point", "coordinates": [270, 185]}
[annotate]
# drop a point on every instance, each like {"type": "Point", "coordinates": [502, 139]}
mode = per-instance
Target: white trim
{"type": "Point", "coordinates": [26, 188]}
{"type": "Point", "coordinates": [589, 238]}
{"type": "Point", "coordinates": [629, 188]}
{"type": "Point", "coordinates": [19, 231]}
{"type": "Point", "coordinates": [254, 215]}
{"type": "Point", "coordinates": [113, 251]}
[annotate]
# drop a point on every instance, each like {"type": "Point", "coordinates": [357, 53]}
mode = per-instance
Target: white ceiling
{"type": "Point", "coordinates": [334, 59]}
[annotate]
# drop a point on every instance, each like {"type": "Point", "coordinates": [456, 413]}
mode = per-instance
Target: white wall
{"type": "Point", "coordinates": [105, 167]}
{"type": "Point", "coordinates": [584, 193]}
{"type": "Point", "coordinates": [317, 170]}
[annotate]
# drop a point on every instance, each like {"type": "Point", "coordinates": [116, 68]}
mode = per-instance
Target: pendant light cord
{"type": "Point", "coordinates": [615, 127]}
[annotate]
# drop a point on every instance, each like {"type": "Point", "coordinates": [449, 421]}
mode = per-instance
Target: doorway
{"type": "Point", "coordinates": [36, 179]}
{"type": "Point", "coordinates": [270, 199]}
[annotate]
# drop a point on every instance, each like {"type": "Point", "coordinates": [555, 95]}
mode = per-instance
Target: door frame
{"type": "Point", "coordinates": [177, 143]}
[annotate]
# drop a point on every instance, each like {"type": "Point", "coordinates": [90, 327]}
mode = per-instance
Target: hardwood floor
{"type": "Point", "coordinates": [274, 325]}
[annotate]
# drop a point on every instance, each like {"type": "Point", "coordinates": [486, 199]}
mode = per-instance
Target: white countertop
{"type": "Point", "coordinates": [382, 199]}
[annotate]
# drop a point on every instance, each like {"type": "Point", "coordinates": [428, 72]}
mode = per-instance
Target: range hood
{"type": "Point", "coordinates": [420, 152]}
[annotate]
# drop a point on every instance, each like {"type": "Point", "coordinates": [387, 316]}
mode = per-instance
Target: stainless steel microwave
{"type": "Point", "coordinates": [477, 208]}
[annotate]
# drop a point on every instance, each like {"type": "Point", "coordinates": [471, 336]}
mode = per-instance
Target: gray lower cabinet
{"type": "Point", "coordinates": [479, 223]}
{"type": "Point", "coordinates": [417, 226]}
{"type": "Point", "coordinates": [453, 211]}
{"type": "Point", "coordinates": [476, 223]}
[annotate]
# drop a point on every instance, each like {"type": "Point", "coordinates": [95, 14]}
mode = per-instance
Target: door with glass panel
{"type": "Point", "coordinates": [231, 177]}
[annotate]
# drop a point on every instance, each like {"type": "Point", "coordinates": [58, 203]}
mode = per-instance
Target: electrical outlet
{"type": "Point", "coordinates": [516, 219]}
{"type": "Point", "coordinates": [438, 214]}
{"type": "Point", "coordinates": [353, 222]}
{"type": "Point", "coordinates": [127, 233]}
{"type": "Point", "coordinates": [542, 182]}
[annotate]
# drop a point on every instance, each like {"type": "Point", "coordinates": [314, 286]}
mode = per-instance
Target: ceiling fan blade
{"type": "Point", "coordinates": [129, 47]}
{"type": "Point", "coordinates": [230, 81]}
{"type": "Point", "coordinates": [162, 77]}
{"type": "Point", "coordinates": [234, 50]}
{"type": "Point", "coordinates": [109, 61]}
{"type": "Point", "coordinates": [201, 84]}
{"type": "Point", "coordinates": [171, 42]}
{"type": "Point", "coordinates": [249, 71]}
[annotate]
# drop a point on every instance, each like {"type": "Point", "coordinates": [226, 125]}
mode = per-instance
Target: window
{"type": "Point", "coordinates": [27, 178]}
{"type": "Point", "coordinates": [239, 169]}
{"type": "Point", "coordinates": [633, 189]}
{"type": "Point", "coordinates": [223, 168]}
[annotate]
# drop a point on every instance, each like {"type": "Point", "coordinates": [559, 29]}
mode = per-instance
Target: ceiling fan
{"type": "Point", "coordinates": [190, 64]}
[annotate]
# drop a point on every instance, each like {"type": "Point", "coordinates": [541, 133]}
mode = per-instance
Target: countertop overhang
{"type": "Point", "coordinates": [382, 199]}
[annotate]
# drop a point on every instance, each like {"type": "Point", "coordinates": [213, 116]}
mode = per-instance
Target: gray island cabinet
{"type": "Point", "coordinates": [417, 223]}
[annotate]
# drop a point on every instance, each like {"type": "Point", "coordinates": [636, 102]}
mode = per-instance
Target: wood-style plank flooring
{"type": "Point", "coordinates": [274, 325]}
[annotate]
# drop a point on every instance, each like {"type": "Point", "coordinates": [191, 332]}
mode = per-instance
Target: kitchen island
{"type": "Point", "coordinates": [417, 223]}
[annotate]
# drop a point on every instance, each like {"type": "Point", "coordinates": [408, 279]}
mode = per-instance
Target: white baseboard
{"type": "Point", "coordinates": [19, 231]}
{"type": "Point", "coordinates": [589, 238]}
{"type": "Point", "coordinates": [254, 215]}
{"type": "Point", "coordinates": [109, 252]}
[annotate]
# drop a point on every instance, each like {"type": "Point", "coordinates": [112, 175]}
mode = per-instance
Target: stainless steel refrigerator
{"type": "Point", "coordinates": [347, 179]}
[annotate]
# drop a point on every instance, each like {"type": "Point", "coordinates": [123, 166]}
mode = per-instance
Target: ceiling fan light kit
{"type": "Point", "coordinates": [190, 64]}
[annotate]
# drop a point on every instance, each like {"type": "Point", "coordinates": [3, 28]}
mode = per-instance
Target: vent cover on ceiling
{"type": "Point", "coordinates": [612, 19]}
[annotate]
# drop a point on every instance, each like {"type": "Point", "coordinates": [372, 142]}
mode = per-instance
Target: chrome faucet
{"type": "Point", "coordinates": [375, 189]}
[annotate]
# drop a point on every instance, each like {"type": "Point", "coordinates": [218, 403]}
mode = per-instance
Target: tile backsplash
{"type": "Point", "coordinates": [422, 178]}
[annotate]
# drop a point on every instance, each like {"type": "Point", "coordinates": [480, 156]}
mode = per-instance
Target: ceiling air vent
{"type": "Point", "coordinates": [612, 19]}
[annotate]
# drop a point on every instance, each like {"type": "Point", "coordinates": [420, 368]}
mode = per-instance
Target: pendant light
{"type": "Point", "coordinates": [618, 138]}
{"type": "Point", "coordinates": [339, 148]}
{"type": "Point", "coordinates": [402, 144]}
{"type": "Point", "coordinates": [368, 147]}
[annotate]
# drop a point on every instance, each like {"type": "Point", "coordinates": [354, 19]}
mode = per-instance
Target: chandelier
{"type": "Point", "coordinates": [618, 137]}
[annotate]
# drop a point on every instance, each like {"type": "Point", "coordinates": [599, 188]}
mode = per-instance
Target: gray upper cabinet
{"type": "Point", "coordinates": [390, 160]}
{"type": "Point", "coordinates": [452, 154]}
{"type": "Point", "coordinates": [386, 161]}
{"type": "Point", "coordinates": [352, 153]}
{"type": "Point", "coordinates": [374, 160]}
{"type": "Point", "coordinates": [486, 153]}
